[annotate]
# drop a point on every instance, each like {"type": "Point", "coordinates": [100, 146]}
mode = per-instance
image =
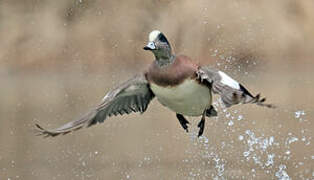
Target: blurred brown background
{"type": "Point", "coordinates": [58, 58]}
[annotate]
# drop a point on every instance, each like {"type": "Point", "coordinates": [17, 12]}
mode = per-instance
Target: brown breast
{"type": "Point", "coordinates": [174, 74]}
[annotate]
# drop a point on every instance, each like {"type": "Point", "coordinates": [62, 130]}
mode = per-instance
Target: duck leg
{"type": "Point", "coordinates": [183, 122]}
{"type": "Point", "coordinates": [211, 112]}
{"type": "Point", "coordinates": [201, 124]}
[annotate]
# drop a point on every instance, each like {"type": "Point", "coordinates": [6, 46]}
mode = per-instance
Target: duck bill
{"type": "Point", "coordinates": [150, 46]}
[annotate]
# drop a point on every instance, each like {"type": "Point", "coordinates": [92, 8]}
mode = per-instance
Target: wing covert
{"type": "Point", "coordinates": [231, 91]}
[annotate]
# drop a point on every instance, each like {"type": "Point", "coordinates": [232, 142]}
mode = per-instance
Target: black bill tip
{"type": "Point", "coordinates": [147, 48]}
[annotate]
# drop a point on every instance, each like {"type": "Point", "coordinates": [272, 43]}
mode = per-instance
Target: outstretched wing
{"type": "Point", "coordinates": [231, 91]}
{"type": "Point", "coordinates": [132, 96]}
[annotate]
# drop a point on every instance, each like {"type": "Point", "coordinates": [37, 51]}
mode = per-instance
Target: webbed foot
{"type": "Point", "coordinates": [183, 122]}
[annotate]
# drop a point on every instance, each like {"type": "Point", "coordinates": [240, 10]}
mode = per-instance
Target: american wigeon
{"type": "Point", "coordinates": [177, 83]}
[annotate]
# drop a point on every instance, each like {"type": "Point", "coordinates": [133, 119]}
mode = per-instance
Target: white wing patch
{"type": "Point", "coordinates": [225, 79]}
{"type": "Point", "coordinates": [153, 35]}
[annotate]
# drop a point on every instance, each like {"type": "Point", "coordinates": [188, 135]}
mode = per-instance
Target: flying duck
{"type": "Point", "coordinates": [176, 81]}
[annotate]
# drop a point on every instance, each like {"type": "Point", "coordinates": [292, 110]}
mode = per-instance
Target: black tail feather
{"type": "Point", "coordinates": [256, 100]}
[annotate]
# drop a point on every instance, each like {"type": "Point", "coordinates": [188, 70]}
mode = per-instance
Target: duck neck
{"type": "Point", "coordinates": [164, 58]}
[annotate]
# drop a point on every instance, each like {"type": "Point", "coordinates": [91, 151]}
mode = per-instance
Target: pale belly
{"type": "Point", "coordinates": [189, 98]}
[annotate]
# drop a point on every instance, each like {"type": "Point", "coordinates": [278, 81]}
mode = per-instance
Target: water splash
{"type": "Point", "coordinates": [281, 174]}
{"type": "Point", "coordinates": [299, 114]}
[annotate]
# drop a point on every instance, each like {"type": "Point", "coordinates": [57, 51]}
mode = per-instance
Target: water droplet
{"type": "Point", "coordinates": [281, 174]}
{"type": "Point", "coordinates": [298, 114]}
{"type": "Point", "coordinates": [270, 160]}
{"type": "Point", "coordinates": [240, 138]}
{"type": "Point", "coordinates": [230, 123]}
{"type": "Point", "coordinates": [246, 153]}
{"type": "Point", "coordinates": [291, 140]}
